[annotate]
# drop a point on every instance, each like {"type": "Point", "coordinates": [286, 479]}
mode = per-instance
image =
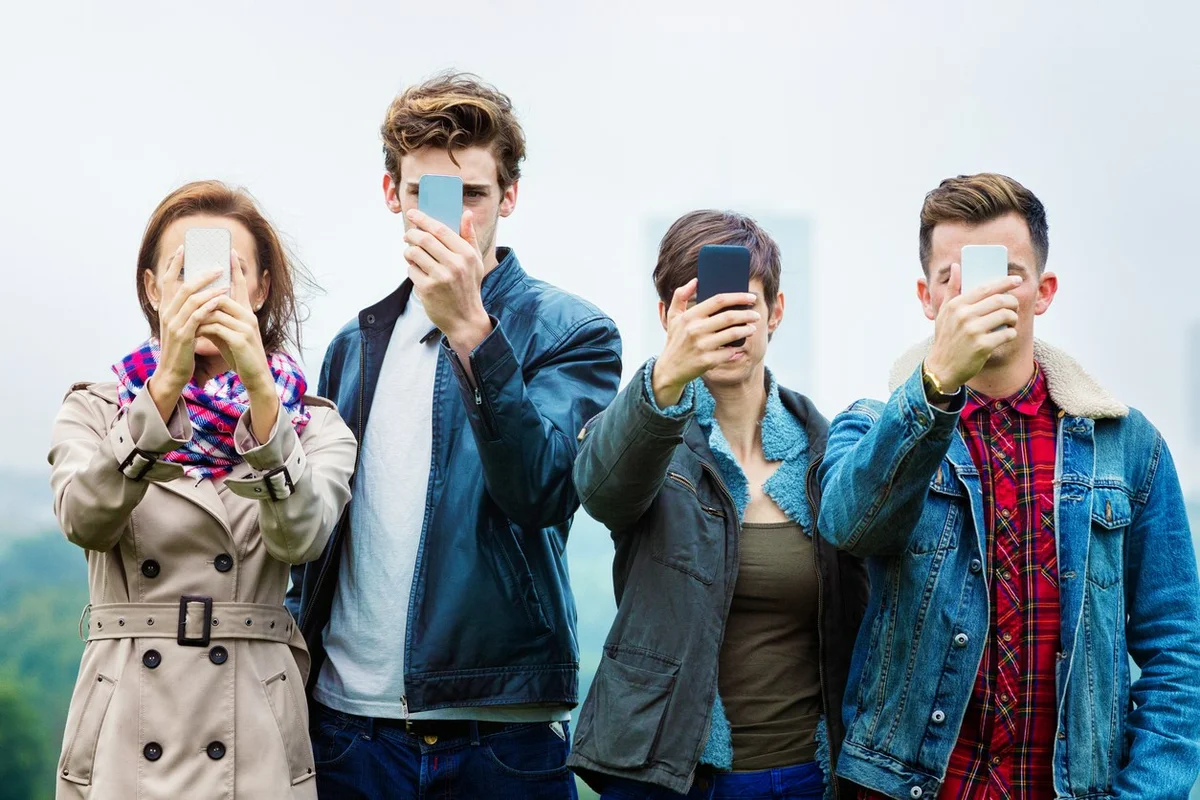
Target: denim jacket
{"type": "Point", "coordinates": [900, 488]}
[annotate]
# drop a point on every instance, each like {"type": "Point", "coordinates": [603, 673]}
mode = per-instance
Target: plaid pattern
{"type": "Point", "coordinates": [214, 408]}
{"type": "Point", "coordinates": [1006, 743]}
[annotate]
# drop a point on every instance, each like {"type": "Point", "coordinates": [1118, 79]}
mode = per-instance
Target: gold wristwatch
{"type": "Point", "coordinates": [933, 387]}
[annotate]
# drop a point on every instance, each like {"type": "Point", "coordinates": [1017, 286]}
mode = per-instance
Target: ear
{"type": "Point", "coordinates": [150, 283]}
{"type": "Point", "coordinates": [926, 298]}
{"type": "Point", "coordinates": [776, 315]}
{"type": "Point", "coordinates": [662, 314]}
{"type": "Point", "coordinates": [391, 193]}
{"type": "Point", "coordinates": [508, 200]}
{"type": "Point", "coordinates": [264, 288]}
{"type": "Point", "coordinates": [1047, 288]}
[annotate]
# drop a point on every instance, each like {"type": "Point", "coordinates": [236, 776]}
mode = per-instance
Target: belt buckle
{"type": "Point", "coordinates": [182, 637]}
{"type": "Point", "coordinates": [287, 480]}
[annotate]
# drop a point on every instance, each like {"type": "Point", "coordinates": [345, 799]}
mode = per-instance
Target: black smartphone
{"type": "Point", "coordinates": [723, 269]}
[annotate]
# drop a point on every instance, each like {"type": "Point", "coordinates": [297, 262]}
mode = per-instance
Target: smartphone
{"type": "Point", "coordinates": [723, 269]}
{"type": "Point", "coordinates": [983, 263]}
{"type": "Point", "coordinates": [206, 249]}
{"type": "Point", "coordinates": [441, 197]}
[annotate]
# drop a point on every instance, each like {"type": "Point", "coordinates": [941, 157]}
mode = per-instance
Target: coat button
{"type": "Point", "coordinates": [218, 655]}
{"type": "Point", "coordinates": [216, 751]}
{"type": "Point", "coordinates": [916, 792]}
{"type": "Point", "coordinates": [223, 562]}
{"type": "Point", "coordinates": [976, 565]}
{"type": "Point", "coordinates": [152, 751]}
{"type": "Point", "coordinates": [152, 659]}
{"type": "Point", "coordinates": [150, 568]}
{"type": "Point", "coordinates": [939, 716]}
{"type": "Point", "coordinates": [961, 639]}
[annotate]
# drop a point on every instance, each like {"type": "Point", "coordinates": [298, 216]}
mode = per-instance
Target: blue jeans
{"type": "Point", "coordinates": [801, 782]}
{"type": "Point", "coordinates": [359, 758]}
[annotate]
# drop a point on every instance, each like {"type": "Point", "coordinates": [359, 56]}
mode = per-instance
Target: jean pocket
{"type": "Point", "coordinates": [331, 742]}
{"type": "Point", "coordinates": [529, 752]}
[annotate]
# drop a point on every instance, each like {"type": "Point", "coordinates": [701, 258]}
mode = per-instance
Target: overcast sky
{"type": "Point", "coordinates": [842, 113]}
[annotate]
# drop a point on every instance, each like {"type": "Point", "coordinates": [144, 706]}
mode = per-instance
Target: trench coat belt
{"type": "Point", "coordinates": [193, 621]}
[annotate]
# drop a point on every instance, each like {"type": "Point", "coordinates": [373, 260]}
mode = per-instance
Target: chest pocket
{"type": "Point", "coordinates": [944, 513]}
{"type": "Point", "coordinates": [1112, 514]}
{"type": "Point", "coordinates": [688, 529]}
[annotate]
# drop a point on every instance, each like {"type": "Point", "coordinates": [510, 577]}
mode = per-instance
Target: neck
{"type": "Point", "coordinates": [208, 367]}
{"type": "Point", "coordinates": [1007, 377]}
{"type": "Point", "coordinates": [490, 262]}
{"type": "Point", "coordinates": [739, 412]}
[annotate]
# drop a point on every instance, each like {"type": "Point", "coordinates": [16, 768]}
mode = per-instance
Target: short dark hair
{"type": "Point", "coordinates": [454, 110]}
{"type": "Point", "coordinates": [680, 249]}
{"type": "Point", "coordinates": [975, 199]}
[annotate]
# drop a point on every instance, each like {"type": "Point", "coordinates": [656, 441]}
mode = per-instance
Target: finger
{"type": "Point", "coordinates": [237, 278]}
{"type": "Point", "coordinates": [419, 258]}
{"type": "Point", "coordinates": [237, 310]}
{"type": "Point", "coordinates": [989, 322]}
{"type": "Point", "coordinates": [197, 317]}
{"type": "Point", "coordinates": [222, 315]}
{"type": "Point", "coordinates": [441, 232]}
{"type": "Point", "coordinates": [955, 287]}
{"type": "Point", "coordinates": [720, 302]}
{"type": "Point", "coordinates": [998, 337]}
{"type": "Point", "coordinates": [726, 319]}
{"type": "Point", "coordinates": [683, 295]}
{"type": "Point", "coordinates": [429, 243]}
{"type": "Point", "coordinates": [1005, 284]}
{"type": "Point", "coordinates": [196, 301]}
{"type": "Point", "coordinates": [992, 303]}
{"type": "Point", "coordinates": [716, 341]}
{"type": "Point", "coordinates": [421, 280]}
{"type": "Point", "coordinates": [170, 281]}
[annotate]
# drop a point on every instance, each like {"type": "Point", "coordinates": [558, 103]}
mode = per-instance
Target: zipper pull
{"type": "Point", "coordinates": [478, 397]}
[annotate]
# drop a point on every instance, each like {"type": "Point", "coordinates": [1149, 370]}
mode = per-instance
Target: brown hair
{"type": "Point", "coordinates": [279, 318]}
{"type": "Point", "coordinates": [976, 199]}
{"type": "Point", "coordinates": [454, 111]}
{"type": "Point", "coordinates": [680, 249]}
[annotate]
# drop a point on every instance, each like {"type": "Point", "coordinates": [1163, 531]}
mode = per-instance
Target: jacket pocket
{"type": "Point", "coordinates": [1111, 515]}
{"type": "Point", "coordinates": [290, 717]}
{"type": "Point", "coordinates": [688, 534]}
{"type": "Point", "coordinates": [628, 706]}
{"type": "Point", "coordinates": [943, 517]}
{"type": "Point", "coordinates": [80, 754]}
{"type": "Point", "coordinates": [519, 579]}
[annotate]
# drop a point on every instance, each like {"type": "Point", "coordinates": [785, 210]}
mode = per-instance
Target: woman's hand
{"type": "Point", "coordinates": [232, 326]}
{"type": "Point", "coordinates": [183, 310]}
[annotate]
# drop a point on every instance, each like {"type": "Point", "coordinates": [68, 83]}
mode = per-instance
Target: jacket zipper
{"type": "Point", "coordinates": [675, 476]}
{"type": "Point", "coordinates": [825, 700]}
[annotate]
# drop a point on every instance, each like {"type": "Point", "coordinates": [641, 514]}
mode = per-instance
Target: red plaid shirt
{"type": "Point", "coordinates": [1006, 743]}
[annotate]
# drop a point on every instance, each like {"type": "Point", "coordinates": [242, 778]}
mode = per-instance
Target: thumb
{"type": "Point", "coordinates": [468, 229]}
{"type": "Point", "coordinates": [679, 300]}
{"type": "Point", "coordinates": [955, 287]}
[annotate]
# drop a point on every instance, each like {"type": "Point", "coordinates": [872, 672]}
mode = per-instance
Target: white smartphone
{"type": "Point", "coordinates": [206, 249]}
{"type": "Point", "coordinates": [983, 263]}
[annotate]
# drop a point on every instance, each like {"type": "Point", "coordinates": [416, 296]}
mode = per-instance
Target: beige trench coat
{"type": "Point", "coordinates": [214, 708]}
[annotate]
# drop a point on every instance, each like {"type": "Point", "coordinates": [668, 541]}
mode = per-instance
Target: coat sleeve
{"type": "Point", "coordinates": [99, 471]}
{"type": "Point", "coordinates": [301, 487]}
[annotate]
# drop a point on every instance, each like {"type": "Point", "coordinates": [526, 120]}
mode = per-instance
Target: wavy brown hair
{"type": "Point", "coordinates": [976, 199]}
{"type": "Point", "coordinates": [279, 319]}
{"type": "Point", "coordinates": [454, 111]}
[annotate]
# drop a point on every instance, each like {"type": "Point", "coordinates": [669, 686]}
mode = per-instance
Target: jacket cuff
{"type": "Point", "coordinates": [139, 437]}
{"type": "Point", "coordinates": [278, 462]}
{"type": "Point", "coordinates": [928, 419]}
{"type": "Point", "coordinates": [686, 404]}
{"type": "Point", "coordinates": [489, 356]}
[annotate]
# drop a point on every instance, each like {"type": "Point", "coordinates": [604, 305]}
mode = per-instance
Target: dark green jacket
{"type": "Point", "coordinates": [653, 480]}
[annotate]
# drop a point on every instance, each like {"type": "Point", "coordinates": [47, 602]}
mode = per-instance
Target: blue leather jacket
{"type": "Point", "coordinates": [491, 619]}
{"type": "Point", "coordinates": [901, 489]}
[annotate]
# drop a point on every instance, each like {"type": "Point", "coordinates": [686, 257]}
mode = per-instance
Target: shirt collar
{"type": "Point", "coordinates": [1028, 400]}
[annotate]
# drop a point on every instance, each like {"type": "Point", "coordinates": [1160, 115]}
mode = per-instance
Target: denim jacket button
{"type": "Point", "coordinates": [976, 565]}
{"type": "Point", "coordinates": [939, 716]}
{"type": "Point", "coordinates": [916, 791]}
{"type": "Point", "coordinates": [961, 639]}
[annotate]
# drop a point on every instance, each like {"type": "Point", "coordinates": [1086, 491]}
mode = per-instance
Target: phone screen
{"type": "Point", "coordinates": [723, 269]}
{"type": "Point", "coordinates": [206, 249]}
{"type": "Point", "coordinates": [983, 263]}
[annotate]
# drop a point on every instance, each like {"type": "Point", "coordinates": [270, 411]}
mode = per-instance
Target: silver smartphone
{"type": "Point", "coordinates": [206, 249]}
{"type": "Point", "coordinates": [983, 263]}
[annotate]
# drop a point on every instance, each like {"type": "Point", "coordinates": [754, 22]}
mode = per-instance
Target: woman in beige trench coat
{"type": "Point", "coordinates": [192, 483]}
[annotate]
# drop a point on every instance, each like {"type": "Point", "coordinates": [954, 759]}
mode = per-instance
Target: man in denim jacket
{"type": "Point", "coordinates": [1025, 534]}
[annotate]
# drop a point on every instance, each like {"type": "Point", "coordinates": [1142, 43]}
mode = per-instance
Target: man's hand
{"type": "Point", "coordinates": [969, 327]}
